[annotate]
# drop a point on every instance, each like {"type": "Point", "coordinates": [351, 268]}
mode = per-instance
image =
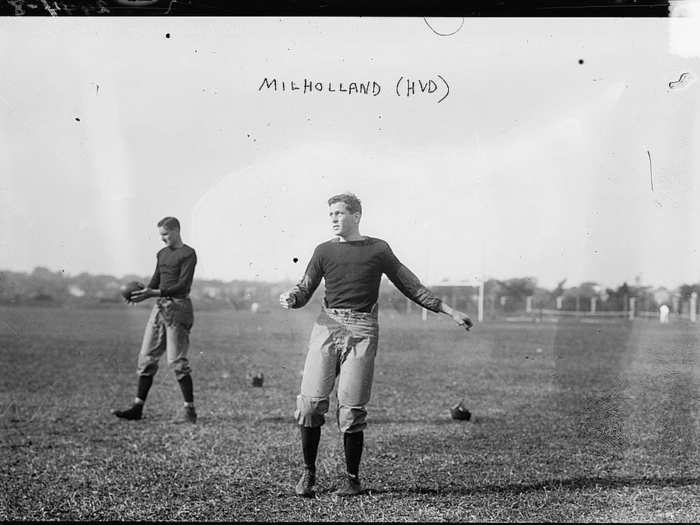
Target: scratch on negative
{"type": "Point", "coordinates": [443, 34]}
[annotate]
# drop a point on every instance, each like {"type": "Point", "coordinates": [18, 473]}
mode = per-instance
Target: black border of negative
{"type": "Point", "coordinates": [369, 8]}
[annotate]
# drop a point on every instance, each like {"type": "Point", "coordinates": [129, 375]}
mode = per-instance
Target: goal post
{"type": "Point", "coordinates": [464, 284]}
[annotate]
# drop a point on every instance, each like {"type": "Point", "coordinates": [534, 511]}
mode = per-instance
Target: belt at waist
{"type": "Point", "coordinates": [364, 310]}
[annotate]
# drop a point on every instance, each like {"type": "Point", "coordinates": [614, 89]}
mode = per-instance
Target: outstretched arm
{"type": "Point", "coordinates": [305, 288]}
{"type": "Point", "coordinates": [409, 285]}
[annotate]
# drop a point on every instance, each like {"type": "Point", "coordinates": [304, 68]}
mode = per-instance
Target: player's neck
{"type": "Point", "coordinates": [354, 236]}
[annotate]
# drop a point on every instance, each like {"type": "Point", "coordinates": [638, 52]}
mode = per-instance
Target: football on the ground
{"type": "Point", "coordinates": [460, 412]}
{"type": "Point", "coordinates": [128, 288]}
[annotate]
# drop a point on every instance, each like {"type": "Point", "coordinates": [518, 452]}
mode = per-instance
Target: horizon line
{"type": "Point", "coordinates": [443, 282]}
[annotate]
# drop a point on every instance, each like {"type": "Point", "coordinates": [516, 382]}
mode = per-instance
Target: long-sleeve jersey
{"type": "Point", "coordinates": [174, 271]}
{"type": "Point", "coordinates": [353, 272]}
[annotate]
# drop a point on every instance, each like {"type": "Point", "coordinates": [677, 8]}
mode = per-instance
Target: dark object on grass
{"type": "Point", "coordinates": [460, 412]}
{"type": "Point", "coordinates": [258, 379]}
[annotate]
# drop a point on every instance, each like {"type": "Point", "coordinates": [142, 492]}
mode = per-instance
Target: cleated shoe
{"type": "Point", "coordinates": [133, 413]}
{"type": "Point", "coordinates": [350, 486]}
{"type": "Point", "coordinates": [305, 485]}
{"type": "Point", "coordinates": [188, 415]}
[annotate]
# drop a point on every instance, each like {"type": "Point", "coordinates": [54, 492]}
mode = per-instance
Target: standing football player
{"type": "Point", "coordinates": [343, 341]}
{"type": "Point", "coordinates": [170, 322]}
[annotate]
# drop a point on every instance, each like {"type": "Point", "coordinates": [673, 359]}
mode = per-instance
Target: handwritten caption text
{"type": "Point", "coordinates": [405, 87]}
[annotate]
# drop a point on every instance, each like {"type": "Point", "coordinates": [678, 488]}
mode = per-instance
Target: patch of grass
{"type": "Point", "coordinates": [571, 422]}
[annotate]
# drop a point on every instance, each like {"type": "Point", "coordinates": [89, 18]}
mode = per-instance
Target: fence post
{"type": "Point", "coordinates": [633, 300]}
{"type": "Point", "coordinates": [480, 314]}
{"type": "Point", "coordinates": [693, 306]}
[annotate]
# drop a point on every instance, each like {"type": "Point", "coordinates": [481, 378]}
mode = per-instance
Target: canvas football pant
{"type": "Point", "coordinates": [343, 345]}
{"type": "Point", "coordinates": [167, 331]}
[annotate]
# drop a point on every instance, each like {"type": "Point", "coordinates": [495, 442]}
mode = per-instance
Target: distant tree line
{"type": "Point", "coordinates": [43, 286]}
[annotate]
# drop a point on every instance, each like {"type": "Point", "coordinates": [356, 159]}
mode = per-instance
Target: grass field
{"type": "Point", "coordinates": [572, 421]}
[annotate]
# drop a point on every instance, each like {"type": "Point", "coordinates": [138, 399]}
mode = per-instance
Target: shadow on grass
{"type": "Point", "coordinates": [208, 419]}
{"type": "Point", "coordinates": [374, 421]}
{"type": "Point", "coordinates": [276, 419]}
{"type": "Point", "coordinates": [552, 485]}
{"type": "Point", "coordinates": [380, 420]}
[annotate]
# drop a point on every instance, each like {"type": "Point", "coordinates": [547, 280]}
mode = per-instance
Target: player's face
{"type": "Point", "coordinates": [343, 223]}
{"type": "Point", "coordinates": [169, 237]}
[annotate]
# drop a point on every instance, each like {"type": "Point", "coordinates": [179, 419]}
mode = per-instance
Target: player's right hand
{"type": "Point", "coordinates": [286, 300]}
{"type": "Point", "coordinates": [462, 320]}
{"type": "Point", "coordinates": [141, 295]}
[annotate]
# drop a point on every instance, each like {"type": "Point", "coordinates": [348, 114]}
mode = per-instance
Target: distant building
{"type": "Point", "coordinates": [662, 295]}
{"type": "Point", "coordinates": [76, 291]}
{"type": "Point", "coordinates": [211, 292]}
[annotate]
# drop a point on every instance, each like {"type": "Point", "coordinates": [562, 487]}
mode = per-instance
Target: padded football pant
{"type": "Point", "coordinates": [167, 331]}
{"type": "Point", "coordinates": [343, 345]}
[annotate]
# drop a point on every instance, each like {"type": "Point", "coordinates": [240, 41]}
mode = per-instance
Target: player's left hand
{"type": "Point", "coordinates": [462, 320]}
{"type": "Point", "coordinates": [286, 300]}
{"type": "Point", "coordinates": [141, 295]}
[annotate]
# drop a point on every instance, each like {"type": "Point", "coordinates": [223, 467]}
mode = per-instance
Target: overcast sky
{"type": "Point", "coordinates": [537, 163]}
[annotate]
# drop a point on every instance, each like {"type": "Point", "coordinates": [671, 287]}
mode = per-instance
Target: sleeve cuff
{"type": "Point", "coordinates": [295, 301]}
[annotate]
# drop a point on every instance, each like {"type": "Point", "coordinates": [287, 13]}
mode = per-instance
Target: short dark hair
{"type": "Point", "coordinates": [350, 200]}
{"type": "Point", "coordinates": [169, 223]}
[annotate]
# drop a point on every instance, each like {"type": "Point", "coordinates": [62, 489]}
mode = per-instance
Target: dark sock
{"type": "Point", "coordinates": [145, 383]}
{"type": "Point", "coordinates": [353, 442]}
{"type": "Point", "coordinates": [309, 446]}
{"type": "Point", "coordinates": [187, 388]}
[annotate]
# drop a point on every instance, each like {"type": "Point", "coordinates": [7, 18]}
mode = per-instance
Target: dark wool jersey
{"type": "Point", "coordinates": [174, 271]}
{"type": "Point", "coordinates": [353, 272]}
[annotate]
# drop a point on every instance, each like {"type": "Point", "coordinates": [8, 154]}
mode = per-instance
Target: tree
{"type": "Point", "coordinates": [559, 290]}
{"type": "Point", "coordinates": [686, 290]}
{"type": "Point", "coordinates": [516, 291]}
